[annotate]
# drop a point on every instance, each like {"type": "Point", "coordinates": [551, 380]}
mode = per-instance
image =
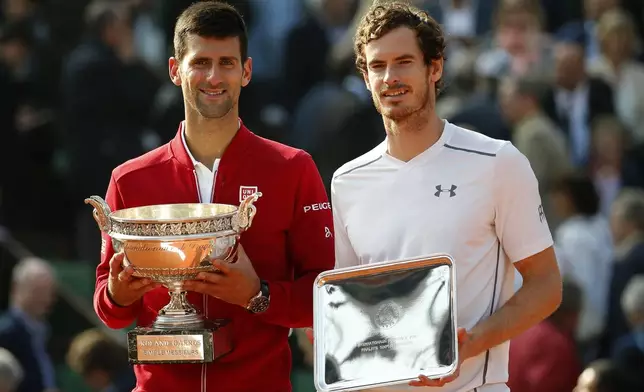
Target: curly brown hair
{"type": "Point", "coordinates": [384, 17]}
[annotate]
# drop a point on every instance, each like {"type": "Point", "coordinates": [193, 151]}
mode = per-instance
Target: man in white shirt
{"type": "Point", "coordinates": [433, 187]}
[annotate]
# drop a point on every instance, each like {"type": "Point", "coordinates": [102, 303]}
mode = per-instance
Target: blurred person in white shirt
{"type": "Point", "coordinates": [583, 242]}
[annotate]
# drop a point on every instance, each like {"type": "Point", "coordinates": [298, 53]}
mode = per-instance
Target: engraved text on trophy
{"type": "Point", "coordinates": [169, 347]}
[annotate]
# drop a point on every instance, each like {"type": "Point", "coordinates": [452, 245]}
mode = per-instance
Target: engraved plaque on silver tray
{"type": "Point", "coordinates": [384, 324]}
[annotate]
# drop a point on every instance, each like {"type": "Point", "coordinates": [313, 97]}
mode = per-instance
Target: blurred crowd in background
{"type": "Point", "coordinates": [84, 86]}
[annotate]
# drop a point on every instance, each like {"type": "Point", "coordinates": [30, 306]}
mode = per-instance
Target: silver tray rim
{"type": "Point", "coordinates": [388, 265]}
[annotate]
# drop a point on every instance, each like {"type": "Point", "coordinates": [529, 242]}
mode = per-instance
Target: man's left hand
{"type": "Point", "coordinates": [235, 283]}
{"type": "Point", "coordinates": [463, 354]}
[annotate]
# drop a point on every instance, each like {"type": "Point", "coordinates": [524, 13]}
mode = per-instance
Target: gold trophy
{"type": "Point", "coordinates": [169, 244]}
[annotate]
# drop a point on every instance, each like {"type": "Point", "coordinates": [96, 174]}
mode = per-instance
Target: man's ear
{"type": "Point", "coordinates": [436, 70]}
{"type": "Point", "coordinates": [247, 71]}
{"type": "Point", "coordinates": [173, 69]}
{"type": "Point", "coordinates": [366, 80]}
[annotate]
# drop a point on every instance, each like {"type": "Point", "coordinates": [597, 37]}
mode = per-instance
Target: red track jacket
{"type": "Point", "coordinates": [289, 243]}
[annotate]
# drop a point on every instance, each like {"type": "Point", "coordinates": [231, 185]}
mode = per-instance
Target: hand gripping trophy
{"type": "Point", "coordinates": [169, 244]}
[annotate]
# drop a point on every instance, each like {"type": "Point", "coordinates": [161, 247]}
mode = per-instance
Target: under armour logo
{"type": "Point", "coordinates": [542, 215]}
{"type": "Point", "coordinates": [327, 232]}
{"type": "Point", "coordinates": [440, 190]}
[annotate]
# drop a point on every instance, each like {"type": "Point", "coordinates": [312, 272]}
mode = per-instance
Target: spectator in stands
{"type": "Point", "coordinates": [627, 222]}
{"type": "Point", "coordinates": [32, 71]}
{"type": "Point", "coordinates": [465, 22]}
{"type": "Point", "coordinates": [520, 45]}
{"type": "Point", "coordinates": [24, 330]}
{"type": "Point", "coordinates": [479, 108]}
{"type": "Point", "coordinates": [544, 358]}
{"type": "Point", "coordinates": [632, 345]}
{"type": "Point", "coordinates": [617, 66]}
{"type": "Point", "coordinates": [108, 93]}
{"type": "Point", "coordinates": [576, 99]}
{"type": "Point", "coordinates": [11, 374]}
{"type": "Point", "coordinates": [30, 11]}
{"type": "Point", "coordinates": [584, 251]}
{"type": "Point", "coordinates": [101, 362]}
{"type": "Point", "coordinates": [307, 46]}
{"type": "Point", "coordinates": [534, 133]}
{"type": "Point", "coordinates": [592, 12]}
{"type": "Point", "coordinates": [29, 92]}
{"type": "Point", "coordinates": [605, 376]}
{"type": "Point", "coordinates": [614, 162]}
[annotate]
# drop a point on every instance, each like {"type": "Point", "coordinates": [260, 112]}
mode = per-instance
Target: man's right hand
{"type": "Point", "coordinates": [123, 288]}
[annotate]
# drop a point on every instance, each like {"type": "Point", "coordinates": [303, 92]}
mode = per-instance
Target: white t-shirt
{"type": "Point", "coordinates": [468, 195]}
{"type": "Point", "coordinates": [204, 176]}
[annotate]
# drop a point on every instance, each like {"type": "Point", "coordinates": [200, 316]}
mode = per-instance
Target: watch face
{"type": "Point", "coordinates": [259, 305]}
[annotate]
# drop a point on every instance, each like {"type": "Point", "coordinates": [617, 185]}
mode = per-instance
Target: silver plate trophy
{"type": "Point", "coordinates": [169, 244]}
{"type": "Point", "coordinates": [385, 324]}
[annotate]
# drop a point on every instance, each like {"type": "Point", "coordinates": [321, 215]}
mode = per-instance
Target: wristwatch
{"type": "Point", "coordinates": [260, 302]}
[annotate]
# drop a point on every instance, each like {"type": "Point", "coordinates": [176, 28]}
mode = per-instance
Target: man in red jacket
{"type": "Point", "coordinates": [215, 158]}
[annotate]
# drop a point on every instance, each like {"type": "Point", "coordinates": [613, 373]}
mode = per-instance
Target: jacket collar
{"type": "Point", "coordinates": [237, 145]}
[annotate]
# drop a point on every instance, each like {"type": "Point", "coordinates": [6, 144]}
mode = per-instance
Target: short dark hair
{"type": "Point", "coordinates": [380, 19]}
{"type": "Point", "coordinates": [210, 19]}
{"type": "Point", "coordinates": [579, 187]}
{"type": "Point", "coordinates": [100, 14]}
{"type": "Point", "coordinates": [571, 34]}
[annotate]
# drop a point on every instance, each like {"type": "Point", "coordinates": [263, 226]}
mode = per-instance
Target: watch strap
{"type": "Point", "coordinates": [260, 301]}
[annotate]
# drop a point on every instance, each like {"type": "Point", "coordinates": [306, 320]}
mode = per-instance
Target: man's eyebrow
{"type": "Point", "coordinates": [405, 57]}
{"type": "Point", "coordinates": [233, 58]}
{"type": "Point", "coordinates": [199, 58]}
{"type": "Point", "coordinates": [401, 57]}
{"type": "Point", "coordinates": [206, 58]}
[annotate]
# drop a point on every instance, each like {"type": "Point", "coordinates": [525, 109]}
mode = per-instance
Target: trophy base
{"type": "Point", "coordinates": [149, 345]}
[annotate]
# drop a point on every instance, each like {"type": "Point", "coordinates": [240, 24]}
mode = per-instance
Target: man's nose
{"type": "Point", "coordinates": [214, 76]}
{"type": "Point", "coordinates": [391, 77]}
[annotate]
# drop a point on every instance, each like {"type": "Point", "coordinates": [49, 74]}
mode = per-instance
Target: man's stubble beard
{"type": "Point", "coordinates": [214, 111]}
{"type": "Point", "coordinates": [414, 117]}
{"type": "Point", "coordinates": [193, 100]}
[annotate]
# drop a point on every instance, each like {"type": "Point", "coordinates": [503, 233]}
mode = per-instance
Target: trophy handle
{"type": "Point", "coordinates": [246, 212]}
{"type": "Point", "coordinates": [101, 213]}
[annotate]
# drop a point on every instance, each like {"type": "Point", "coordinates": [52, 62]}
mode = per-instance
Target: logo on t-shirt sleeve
{"type": "Point", "coordinates": [542, 215]}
